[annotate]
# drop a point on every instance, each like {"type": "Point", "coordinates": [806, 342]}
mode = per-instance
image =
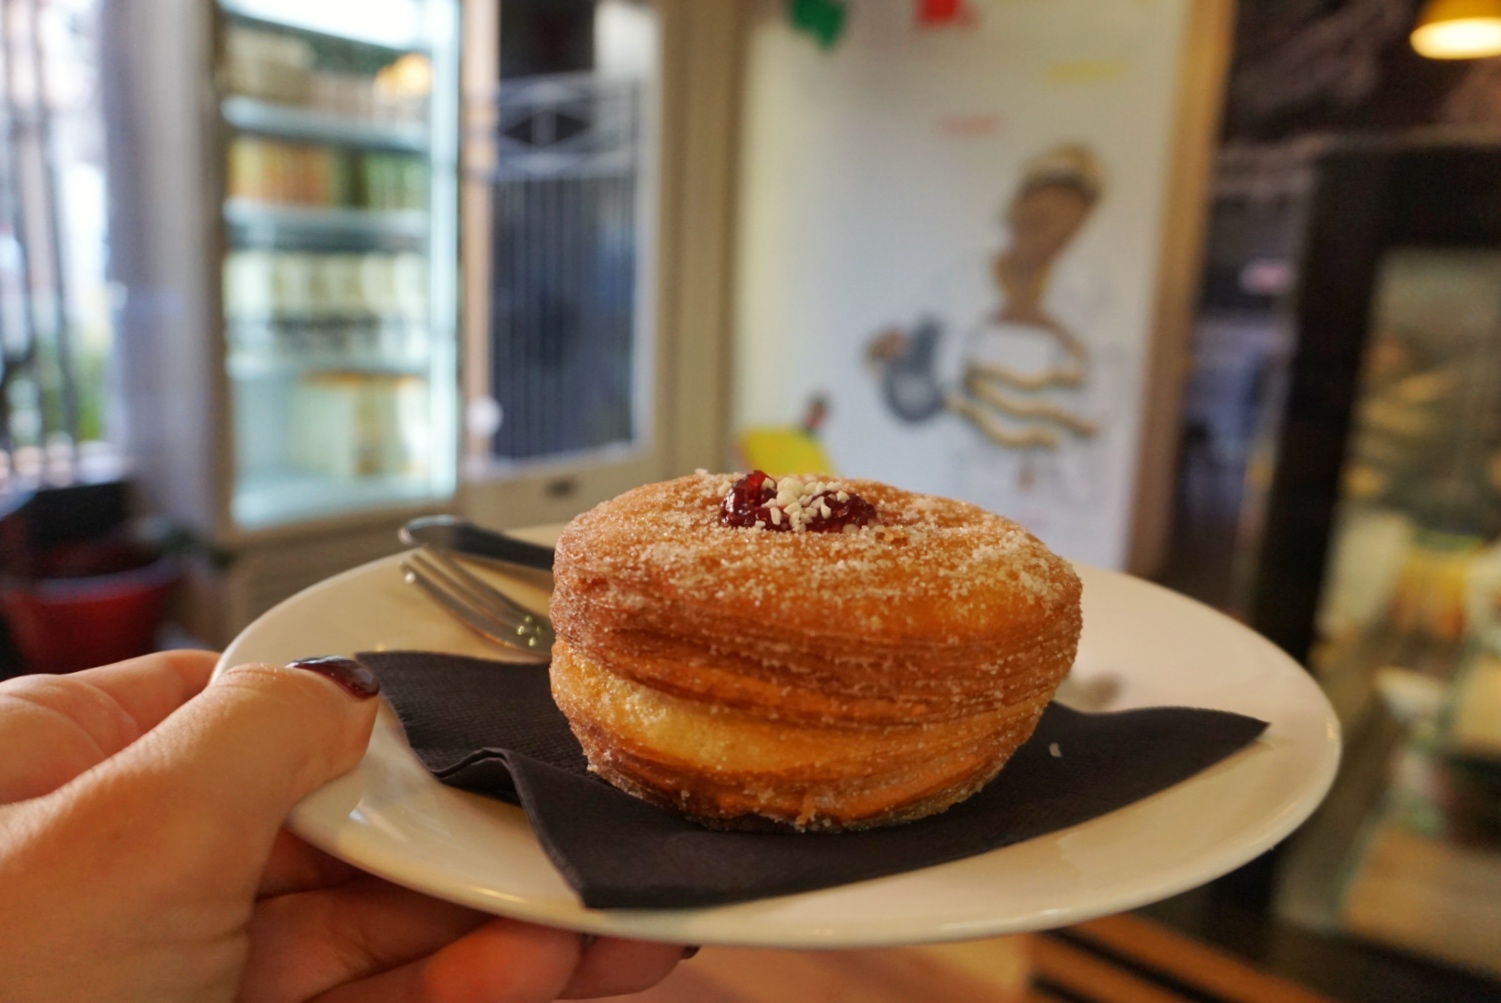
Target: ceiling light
{"type": "Point", "coordinates": [1458, 29]}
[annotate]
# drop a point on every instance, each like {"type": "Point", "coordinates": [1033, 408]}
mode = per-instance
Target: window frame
{"type": "Point", "coordinates": [699, 124]}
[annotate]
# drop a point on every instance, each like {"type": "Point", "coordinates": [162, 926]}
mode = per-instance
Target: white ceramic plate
{"type": "Point", "coordinates": [390, 817]}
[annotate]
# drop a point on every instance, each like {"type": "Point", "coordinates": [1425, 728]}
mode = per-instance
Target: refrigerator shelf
{"type": "Point", "coordinates": [267, 223]}
{"type": "Point", "coordinates": [291, 122]}
{"type": "Point", "coordinates": [277, 498]}
{"type": "Point", "coordinates": [399, 25]}
{"type": "Point", "coordinates": [257, 365]}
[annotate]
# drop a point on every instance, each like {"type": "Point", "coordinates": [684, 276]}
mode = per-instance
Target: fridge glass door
{"type": "Point", "coordinates": [1409, 625]}
{"type": "Point", "coordinates": [339, 270]}
{"type": "Point", "coordinates": [1421, 483]}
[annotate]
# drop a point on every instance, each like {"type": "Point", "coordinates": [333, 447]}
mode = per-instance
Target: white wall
{"type": "Point", "coordinates": [874, 177]}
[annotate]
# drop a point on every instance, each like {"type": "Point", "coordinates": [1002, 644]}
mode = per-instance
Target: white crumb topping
{"type": "Point", "coordinates": [947, 557]}
{"type": "Point", "coordinates": [800, 502]}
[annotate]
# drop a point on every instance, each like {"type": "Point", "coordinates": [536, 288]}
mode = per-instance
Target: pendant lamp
{"type": "Point", "coordinates": [1458, 29]}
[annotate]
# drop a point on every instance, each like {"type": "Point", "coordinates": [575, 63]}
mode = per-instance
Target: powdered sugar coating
{"type": "Point", "coordinates": [934, 569]}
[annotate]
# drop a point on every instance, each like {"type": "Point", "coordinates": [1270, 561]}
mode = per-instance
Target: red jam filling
{"type": "Point", "coordinates": [751, 500]}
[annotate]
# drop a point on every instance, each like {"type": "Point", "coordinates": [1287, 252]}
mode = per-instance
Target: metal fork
{"type": "Point", "coordinates": [477, 604]}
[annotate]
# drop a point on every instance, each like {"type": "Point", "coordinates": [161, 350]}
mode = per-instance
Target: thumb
{"type": "Point", "coordinates": [260, 738]}
{"type": "Point", "coordinates": [149, 861]}
{"type": "Point", "coordinates": [209, 787]}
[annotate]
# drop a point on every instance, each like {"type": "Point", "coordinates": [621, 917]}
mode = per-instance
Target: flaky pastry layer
{"type": "Point", "coordinates": [730, 770]}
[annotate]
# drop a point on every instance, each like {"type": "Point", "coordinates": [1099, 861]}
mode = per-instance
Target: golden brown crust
{"type": "Point", "coordinates": [819, 680]}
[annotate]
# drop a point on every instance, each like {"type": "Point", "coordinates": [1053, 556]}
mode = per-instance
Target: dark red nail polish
{"type": "Point", "coordinates": [690, 951]}
{"type": "Point", "coordinates": [357, 680]}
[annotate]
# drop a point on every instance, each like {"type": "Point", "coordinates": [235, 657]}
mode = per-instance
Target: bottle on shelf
{"type": "Point", "coordinates": [323, 175]}
{"type": "Point", "coordinates": [250, 171]}
{"type": "Point", "coordinates": [402, 87]}
{"type": "Point", "coordinates": [267, 65]}
{"type": "Point", "coordinates": [340, 78]}
{"type": "Point", "coordinates": [339, 307]}
{"type": "Point", "coordinates": [359, 424]}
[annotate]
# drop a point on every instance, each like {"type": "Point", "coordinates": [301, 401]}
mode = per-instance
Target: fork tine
{"type": "Point", "coordinates": [479, 591]}
{"type": "Point", "coordinates": [482, 624]}
{"type": "Point", "coordinates": [476, 603]}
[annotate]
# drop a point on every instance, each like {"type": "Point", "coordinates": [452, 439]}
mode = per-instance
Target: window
{"type": "Point", "coordinates": [54, 300]}
{"type": "Point", "coordinates": [562, 368]}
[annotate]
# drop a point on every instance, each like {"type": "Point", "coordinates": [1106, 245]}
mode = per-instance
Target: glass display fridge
{"type": "Point", "coordinates": [284, 238]}
{"type": "Point", "coordinates": [1379, 562]}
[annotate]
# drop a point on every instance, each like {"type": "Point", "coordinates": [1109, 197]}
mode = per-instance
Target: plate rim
{"type": "Point", "coordinates": [702, 925]}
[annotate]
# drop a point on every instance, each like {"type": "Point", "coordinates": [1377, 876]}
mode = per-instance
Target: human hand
{"type": "Point", "coordinates": [142, 856]}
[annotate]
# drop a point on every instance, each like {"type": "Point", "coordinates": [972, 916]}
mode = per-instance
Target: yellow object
{"type": "Point", "coordinates": [1458, 29]}
{"type": "Point", "coordinates": [411, 74]}
{"type": "Point", "coordinates": [1083, 70]}
{"type": "Point", "coordinates": [781, 450]}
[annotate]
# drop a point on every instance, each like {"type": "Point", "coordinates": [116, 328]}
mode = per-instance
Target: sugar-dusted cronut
{"type": "Point", "coordinates": [813, 653]}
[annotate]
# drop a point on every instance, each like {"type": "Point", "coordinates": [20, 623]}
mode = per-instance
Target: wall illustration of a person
{"type": "Point", "coordinates": [1023, 374]}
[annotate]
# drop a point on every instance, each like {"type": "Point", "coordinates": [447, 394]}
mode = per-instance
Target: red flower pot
{"type": "Point", "coordinates": [88, 605]}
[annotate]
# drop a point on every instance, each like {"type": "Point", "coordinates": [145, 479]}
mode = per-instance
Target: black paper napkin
{"type": "Point", "coordinates": [491, 727]}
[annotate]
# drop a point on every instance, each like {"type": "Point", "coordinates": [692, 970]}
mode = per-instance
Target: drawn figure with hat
{"type": "Point", "coordinates": [1023, 376]}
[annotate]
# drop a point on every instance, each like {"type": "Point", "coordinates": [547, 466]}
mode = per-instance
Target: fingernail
{"type": "Point", "coordinates": [358, 681]}
{"type": "Point", "coordinates": [690, 951]}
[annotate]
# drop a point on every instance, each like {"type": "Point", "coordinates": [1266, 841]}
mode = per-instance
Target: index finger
{"type": "Point", "coordinates": [53, 728]}
{"type": "Point", "coordinates": [150, 687]}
